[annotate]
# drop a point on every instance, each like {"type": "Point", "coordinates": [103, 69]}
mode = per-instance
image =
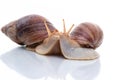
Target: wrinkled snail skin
{"type": "Point", "coordinates": [87, 35]}
{"type": "Point", "coordinates": [72, 50]}
{"type": "Point", "coordinates": [28, 30]}
{"type": "Point", "coordinates": [50, 45]}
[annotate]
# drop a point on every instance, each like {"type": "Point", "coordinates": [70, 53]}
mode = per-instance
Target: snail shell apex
{"type": "Point", "coordinates": [10, 31]}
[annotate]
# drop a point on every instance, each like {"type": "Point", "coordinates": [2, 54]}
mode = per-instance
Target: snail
{"type": "Point", "coordinates": [38, 34]}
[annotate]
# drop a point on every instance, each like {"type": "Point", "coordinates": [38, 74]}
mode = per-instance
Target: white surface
{"type": "Point", "coordinates": [26, 65]}
{"type": "Point", "coordinates": [19, 64]}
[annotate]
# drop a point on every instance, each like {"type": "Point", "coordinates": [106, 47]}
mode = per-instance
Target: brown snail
{"type": "Point", "coordinates": [38, 33]}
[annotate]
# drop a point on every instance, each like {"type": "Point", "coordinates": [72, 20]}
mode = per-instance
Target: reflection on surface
{"type": "Point", "coordinates": [35, 66]}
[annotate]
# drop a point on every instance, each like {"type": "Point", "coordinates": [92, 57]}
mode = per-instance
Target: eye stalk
{"type": "Point", "coordinates": [48, 30]}
{"type": "Point", "coordinates": [64, 28]}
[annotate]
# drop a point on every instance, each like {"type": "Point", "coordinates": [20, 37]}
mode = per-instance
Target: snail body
{"type": "Point", "coordinates": [38, 33]}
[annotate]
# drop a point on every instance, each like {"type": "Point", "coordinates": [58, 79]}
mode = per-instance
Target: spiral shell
{"type": "Point", "coordinates": [10, 31]}
{"type": "Point", "coordinates": [87, 35]}
{"type": "Point", "coordinates": [28, 30]}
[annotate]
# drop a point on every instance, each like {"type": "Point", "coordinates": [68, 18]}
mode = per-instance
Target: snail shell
{"type": "Point", "coordinates": [88, 35]}
{"type": "Point", "coordinates": [28, 30]}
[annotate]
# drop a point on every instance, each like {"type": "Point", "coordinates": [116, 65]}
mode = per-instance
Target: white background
{"type": "Point", "coordinates": [19, 64]}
